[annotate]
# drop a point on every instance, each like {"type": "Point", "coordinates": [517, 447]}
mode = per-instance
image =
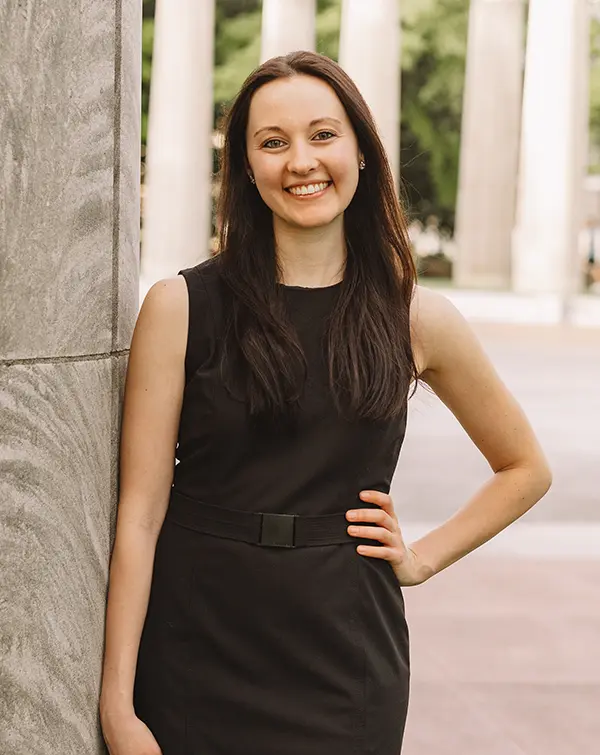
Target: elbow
{"type": "Point", "coordinates": [541, 476]}
{"type": "Point", "coordinates": [548, 479]}
{"type": "Point", "coordinates": [546, 483]}
{"type": "Point", "coordinates": [534, 475]}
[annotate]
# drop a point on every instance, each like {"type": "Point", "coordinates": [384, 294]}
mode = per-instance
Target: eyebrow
{"type": "Point", "coordinates": [314, 122]}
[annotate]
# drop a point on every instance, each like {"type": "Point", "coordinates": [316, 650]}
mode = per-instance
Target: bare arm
{"type": "Point", "coordinates": [453, 363]}
{"type": "Point", "coordinates": [151, 411]}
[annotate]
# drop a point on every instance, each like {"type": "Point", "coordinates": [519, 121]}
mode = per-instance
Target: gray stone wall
{"type": "Point", "coordinates": [69, 253]}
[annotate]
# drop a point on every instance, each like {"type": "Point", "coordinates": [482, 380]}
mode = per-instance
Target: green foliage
{"type": "Point", "coordinates": [595, 97]}
{"type": "Point", "coordinates": [328, 28]}
{"type": "Point", "coordinates": [229, 8]}
{"type": "Point", "coordinates": [434, 42]}
{"type": "Point", "coordinates": [237, 53]}
{"type": "Point", "coordinates": [237, 45]}
{"type": "Point", "coordinates": [147, 42]}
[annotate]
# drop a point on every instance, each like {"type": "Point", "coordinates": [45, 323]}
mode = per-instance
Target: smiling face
{"type": "Point", "coordinates": [302, 151]}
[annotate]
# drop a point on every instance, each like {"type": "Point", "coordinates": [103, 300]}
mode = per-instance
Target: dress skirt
{"type": "Point", "coordinates": [256, 650]}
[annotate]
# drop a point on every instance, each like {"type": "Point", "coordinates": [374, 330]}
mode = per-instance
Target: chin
{"type": "Point", "coordinates": [318, 220]}
{"type": "Point", "coordinates": [313, 224]}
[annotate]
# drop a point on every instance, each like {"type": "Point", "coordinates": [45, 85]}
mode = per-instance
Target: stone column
{"type": "Point", "coordinates": [489, 153]}
{"type": "Point", "coordinates": [287, 26]}
{"type": "Point", "coordinates": [370, 54]}
{"type": "Point", "coordinates": [553, 151]}
{"type": "Point", "coordinates": [178, 182]}
{"type": "Point", "coordinates": [70, 83]}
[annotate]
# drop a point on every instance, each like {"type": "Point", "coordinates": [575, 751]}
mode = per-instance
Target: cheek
{"type": "Point", "coordinates": [268, 170]}
{"type": "Point", "coordinates": [343, 169]}
{"type": "Point", "coordinates": [268, 181]}
{"type": "Point", "coordinates": [269, 188]}
{"type": "Point", "coordinates": [345, 177]}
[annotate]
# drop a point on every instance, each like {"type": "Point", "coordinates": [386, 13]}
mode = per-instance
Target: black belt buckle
{"type": "Point", "coordinates": [278, 530]}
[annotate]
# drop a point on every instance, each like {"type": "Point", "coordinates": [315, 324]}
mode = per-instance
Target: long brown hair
{"type": "Point", "coordinates": [371, 363]}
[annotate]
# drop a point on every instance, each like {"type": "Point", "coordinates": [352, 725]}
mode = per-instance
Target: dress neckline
{"type": "Point", "coordinates": [310, 288]}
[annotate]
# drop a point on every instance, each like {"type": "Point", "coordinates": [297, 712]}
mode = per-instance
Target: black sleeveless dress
{"type": "Point", "coordinates": [248, 647]}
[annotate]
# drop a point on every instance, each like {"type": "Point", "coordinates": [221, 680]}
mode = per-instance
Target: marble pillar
{"type": "Point", "coordinates": [370, 53]}
{"type": "Point", "coordinates": [178, 179]}
{"type": "Point", "coordinates": [489, 152]}
{"type": "Point", "coordinates": [287, 26]}
{"type": "Point", "coordinates": [553, 149]}
{"type": "Point", "coordinates": [70, 107]}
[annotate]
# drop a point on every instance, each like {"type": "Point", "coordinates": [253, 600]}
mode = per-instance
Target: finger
{"type": "Point", "coordinates": [374, 496]}
{"type": "Point", "coordinates": [372, 533]}
{"type": "Point", "coordinates": [374, 551]}
{"type": "Point", "coordinates": [378, 516]}
{"type": "Point", "coordinates": [382, 500]}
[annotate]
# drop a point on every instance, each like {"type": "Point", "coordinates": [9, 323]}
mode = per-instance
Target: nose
{"type": "Point", "coordinates": [301, 159]}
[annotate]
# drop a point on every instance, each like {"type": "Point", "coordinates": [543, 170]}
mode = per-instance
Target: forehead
{"type": "Point", "coordinates": [293, 101]}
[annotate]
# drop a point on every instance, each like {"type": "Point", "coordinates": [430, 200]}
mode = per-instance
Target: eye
{"type": "Point", "coordinates": [327, 134]}
{"type": "Point", "coordinates": [270, 141]}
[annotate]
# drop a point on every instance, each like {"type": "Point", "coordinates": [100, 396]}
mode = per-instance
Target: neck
{"type": "Point", "coordinates": [311, 257]}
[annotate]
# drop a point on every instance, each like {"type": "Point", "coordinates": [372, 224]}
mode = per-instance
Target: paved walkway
{"type": "Point", "coordinates": [505, 643]}
{"type": "Point", "coordinates": [505, 659]}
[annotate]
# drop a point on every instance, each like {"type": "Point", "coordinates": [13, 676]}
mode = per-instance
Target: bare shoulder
{"type": "Point", "coordinates": [433, 319]}
{"type": "Point", "coordinates": [159, 340]}
{"type": "Point", "coordinates": [162, 321]}
{"type": "Point", "coordinates": [445, 342]}
{"type": "Point", "coordinates": [166, 299]}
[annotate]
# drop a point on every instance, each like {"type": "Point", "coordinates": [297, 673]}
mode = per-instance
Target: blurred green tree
{"type": "Point", "coordinates": [594, 156]}
{"type": "Point", "coordinates": [434, 44]}
{"type": "Point", "coordinates": [237, 46]}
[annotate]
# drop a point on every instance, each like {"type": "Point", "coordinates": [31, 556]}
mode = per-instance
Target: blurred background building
{"type": "Point", "coordinates": [489, 110]}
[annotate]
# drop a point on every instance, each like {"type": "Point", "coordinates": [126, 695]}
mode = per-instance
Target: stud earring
{"type": "Point", "coordinates": [361, 165]}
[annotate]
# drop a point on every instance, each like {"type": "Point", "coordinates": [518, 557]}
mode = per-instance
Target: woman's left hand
{"type": "Point", "coordinates": [404, 561]}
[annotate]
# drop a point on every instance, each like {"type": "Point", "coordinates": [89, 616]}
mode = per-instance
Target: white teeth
{"type": "Point", "coordinates": [310, 189]}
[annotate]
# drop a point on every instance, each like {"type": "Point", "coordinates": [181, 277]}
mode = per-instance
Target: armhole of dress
{"type": "Point", "coordinates": [194, 311]}
{"type": "Point", "coordinates": [184, 275]}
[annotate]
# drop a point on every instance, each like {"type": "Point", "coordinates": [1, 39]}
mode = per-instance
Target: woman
{"type": "Point", "coordinates": [256, 605]}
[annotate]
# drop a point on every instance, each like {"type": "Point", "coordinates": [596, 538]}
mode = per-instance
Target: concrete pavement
{"type": "Point", "coordinates": [505, 659]}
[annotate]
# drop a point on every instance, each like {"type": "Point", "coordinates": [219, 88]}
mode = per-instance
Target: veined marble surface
{"type": "Point", "coordinates": [69, 139]}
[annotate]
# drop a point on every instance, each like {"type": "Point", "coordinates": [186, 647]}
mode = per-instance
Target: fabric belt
{"type": "Point", "coordinates": [260, 528]}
